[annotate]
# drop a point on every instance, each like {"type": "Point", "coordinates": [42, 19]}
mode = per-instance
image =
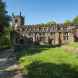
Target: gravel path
{"type": "Point", "coordinates": [8, 65]}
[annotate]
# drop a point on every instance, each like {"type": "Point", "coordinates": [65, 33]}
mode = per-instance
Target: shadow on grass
{"type": "Point", "coordinates": [51, 70]}
{"type": "Point", "coordinates": [23, 51]}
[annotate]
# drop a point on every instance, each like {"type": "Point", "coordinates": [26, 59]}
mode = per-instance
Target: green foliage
{"type": "Point", "coordinates": [4, 25]}
{"type": "Point", "coordinates": [5, 42]}
{"type": "Point", "coordinates": [75, 20]}
{"type": "Point", "coordinates": [5, 38]}
{"type": "Point", "coordinates": [40, 69]}
{"type": "Point", "coordinates": [4, 18]}
{"type": "Point", "coordinates": [51, 22]}
{"type": "Point", "coordinates": [67, 22]}
{"type": "Point", "coordinates": [42, 24]}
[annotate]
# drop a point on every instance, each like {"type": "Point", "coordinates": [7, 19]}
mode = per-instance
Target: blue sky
{"type": "Point", "coordinates": [42, 11]}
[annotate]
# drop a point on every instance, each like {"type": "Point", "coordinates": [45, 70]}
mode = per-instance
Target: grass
{"type": "Point", "coordinates": [73, 44]}
{"type": "Point", "coordinates": [49, 63]}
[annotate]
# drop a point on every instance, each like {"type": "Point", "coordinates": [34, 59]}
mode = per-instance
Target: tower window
{"type": "Point", "coordinates": [16, 20]}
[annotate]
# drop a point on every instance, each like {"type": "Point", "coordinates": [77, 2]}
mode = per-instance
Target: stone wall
{"type": "Point", "coordinates": [53, 34]}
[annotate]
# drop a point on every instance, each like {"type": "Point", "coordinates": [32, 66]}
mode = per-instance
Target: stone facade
{"type": "Point", "coordinates": [52, 34]}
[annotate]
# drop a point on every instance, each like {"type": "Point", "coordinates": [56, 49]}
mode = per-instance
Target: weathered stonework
{"type": "Point", "coordinates": [53, 34]}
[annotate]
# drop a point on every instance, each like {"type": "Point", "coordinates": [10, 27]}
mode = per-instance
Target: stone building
{"type": "Point", "coordinates": [52, 34]}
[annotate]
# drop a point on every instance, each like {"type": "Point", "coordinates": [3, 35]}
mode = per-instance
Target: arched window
{"type": "Point", "coordinates": [16, 20]}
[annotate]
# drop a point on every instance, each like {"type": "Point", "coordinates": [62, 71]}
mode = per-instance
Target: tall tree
{"type": "Point", "coordinates": [4, 23]}
{"type": "Point", "coordinates": [4, 18]}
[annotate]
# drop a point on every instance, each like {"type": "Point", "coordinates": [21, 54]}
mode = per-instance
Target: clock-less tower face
{"type": "Point", "coordinates": [17, 21]}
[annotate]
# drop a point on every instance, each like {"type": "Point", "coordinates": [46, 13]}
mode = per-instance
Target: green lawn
{"type": "Point", "coordinates": [49, 63]}
{"type": "Point", "coordinates": [73, 44]}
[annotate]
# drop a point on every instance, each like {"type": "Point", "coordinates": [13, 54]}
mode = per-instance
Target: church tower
{"type": "Point", "coordinates": [17, 21]}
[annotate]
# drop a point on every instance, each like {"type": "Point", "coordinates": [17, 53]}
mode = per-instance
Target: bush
{"type": "Point", "coordinates": [5, 42]}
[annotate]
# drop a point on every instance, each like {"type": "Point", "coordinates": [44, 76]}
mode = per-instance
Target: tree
{"type": "Point", "coordinates": [4, 18]}
{"type": "Point", "coordinates": [4, 24]}
{"type": "Point", "coordinates": [75, 20]}
{"type": "Point", "coordinates": [51, 22]}
{"type": "Point", "coordinates": [42, 23]}
{"type": "Point", "coordinates": [67, 22]}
